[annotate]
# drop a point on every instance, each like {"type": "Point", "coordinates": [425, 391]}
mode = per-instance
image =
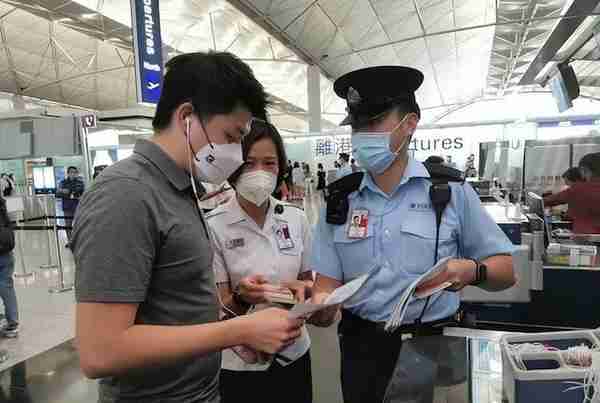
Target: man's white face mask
{"type": "Point", "coordinates": [214, 162]}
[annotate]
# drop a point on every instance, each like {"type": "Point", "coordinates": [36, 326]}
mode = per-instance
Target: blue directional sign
{"type": "Point", "coordinates": [147, 45]}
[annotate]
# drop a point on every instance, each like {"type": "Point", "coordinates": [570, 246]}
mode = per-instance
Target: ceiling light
{"type": "Point", "coordinates": [89, 16]}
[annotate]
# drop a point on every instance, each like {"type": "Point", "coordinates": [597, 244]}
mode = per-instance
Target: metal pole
{"type": "Point", "coordinates": [62, 287]}
{"type": "Point", "coordinates": [48, 265]}
{"type": "Point", "coordinates": [19, 240]}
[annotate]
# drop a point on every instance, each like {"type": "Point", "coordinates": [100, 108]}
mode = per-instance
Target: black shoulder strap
{"type": "Point", "coordinates": [440, 194]}
{"type": "Point", "coordinates": [336, 195]}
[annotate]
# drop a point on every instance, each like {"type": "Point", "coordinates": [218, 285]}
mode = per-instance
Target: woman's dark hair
{"type": "Point", "coordinates": [214, 82]}
{"type": "Point", "coordinates": [573, 175]}
{"type": "Point", "coordinates": [262, 130]}
{"type": "Point", "coordinates": [320, 166]}
{"type": "Point", "coordinates": [296, 165]}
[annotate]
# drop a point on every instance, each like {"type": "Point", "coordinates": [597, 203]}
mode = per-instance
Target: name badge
{"type": "Point", "coordinates": [284, 239]}
{"type": "Point", "coordinates": [234, 243]}
{"type": "Point", "coordinates": [359, 224]}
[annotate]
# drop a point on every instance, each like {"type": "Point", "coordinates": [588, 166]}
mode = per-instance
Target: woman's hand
{"type": "Point", "coordinates": [300, 288]}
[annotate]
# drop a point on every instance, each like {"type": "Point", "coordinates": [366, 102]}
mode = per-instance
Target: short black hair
{"type": "Point", "coordinates": [319, 165]}
{"type": "Point", "coordinates": [573, 174]}
{"type": "Point", "coordinates": [214, 82]}
{"type": "Point", "coordinates": [345, 156]}
{"type": "Point", "coordinates": [296, 165]}
{"type": "Point", "coordinates": [591, 162]}
{"type": "Point", "coordinates": [261, 130]}
{"type": "Point", "coordinates": [69, 169]}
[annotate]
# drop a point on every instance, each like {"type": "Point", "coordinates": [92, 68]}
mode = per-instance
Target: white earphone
{"type": "Point", "coordinates": [188, 125]}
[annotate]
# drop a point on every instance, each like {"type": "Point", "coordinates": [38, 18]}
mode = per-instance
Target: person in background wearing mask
{"type": "Point", "coordinates": [344, 168]}
{"type": "Point", "coordinates": [321, 182]}
{"type": "Point", "coordinates": [70, 191]}
{"type": "Point", "coordinates": [7, 269]}
{"type": "Point", "coordinates": [298, 179]}
{"type": "Point", "coordinates": [262, 245]}
{"type": "Point", "coordinates": [470, 170]}
{"type": "Point", "coordinates": [583, 197]}
{"type": "Point", "coordinates": [397, 244]}
{"type": "Point", "coordinates": [143, 252]}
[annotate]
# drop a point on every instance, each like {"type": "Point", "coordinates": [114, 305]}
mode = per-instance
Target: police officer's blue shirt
{"type": "Point", "coordinates": [343, 171]}
{"type": "Point", "coordinates": [400, 243]}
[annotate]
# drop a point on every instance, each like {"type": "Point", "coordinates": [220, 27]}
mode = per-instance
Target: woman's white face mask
{"type": "Point", "coordinates": [256, 186]}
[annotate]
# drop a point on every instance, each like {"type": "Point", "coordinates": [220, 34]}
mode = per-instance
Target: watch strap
{"type": "Point", "coordinates": [480, 273]}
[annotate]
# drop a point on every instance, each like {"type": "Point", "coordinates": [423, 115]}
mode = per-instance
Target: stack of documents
{"type": "Point", "coordinates": [410, 294]}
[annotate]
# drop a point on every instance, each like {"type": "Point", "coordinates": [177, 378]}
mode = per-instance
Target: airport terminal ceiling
{"type": "Point", "coordinates": [79, 52]}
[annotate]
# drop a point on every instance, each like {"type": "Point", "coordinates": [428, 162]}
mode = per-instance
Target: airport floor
{"type": "Point", "coordinates": [42, 363]}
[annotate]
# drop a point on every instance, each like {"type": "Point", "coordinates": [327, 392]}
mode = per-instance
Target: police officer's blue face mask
{"type": "Point", "coordinates": [373, 149]}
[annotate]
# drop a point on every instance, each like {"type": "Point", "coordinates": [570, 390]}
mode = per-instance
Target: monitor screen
{"type": "Point", "coordinates": [559, 91]}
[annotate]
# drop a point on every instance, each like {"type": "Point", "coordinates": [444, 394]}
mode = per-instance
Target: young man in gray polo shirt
{"type": "Point", "coordinates": [147, 308]}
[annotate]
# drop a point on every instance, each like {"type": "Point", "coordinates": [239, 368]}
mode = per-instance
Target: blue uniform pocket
{"type": "Point", "coordinates": [356, 255]}
{"type": "Point", "coordinates": [418, 244]}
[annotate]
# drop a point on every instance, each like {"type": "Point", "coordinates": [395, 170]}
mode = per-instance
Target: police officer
{"type": "Point", "coordinates": [399, 235]}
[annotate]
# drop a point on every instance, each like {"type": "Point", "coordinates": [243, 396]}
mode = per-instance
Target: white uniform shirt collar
{"type": "Point", "coordinates": [236, 214]}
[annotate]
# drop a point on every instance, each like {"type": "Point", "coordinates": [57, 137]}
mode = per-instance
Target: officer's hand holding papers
{"type": "Point", "coordinates": [428, 283]}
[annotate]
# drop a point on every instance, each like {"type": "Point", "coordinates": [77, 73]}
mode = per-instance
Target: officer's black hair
{"type": "Point", "coordinates": [71, 168]}
{"type": "Point", "coordinates": [214, 82]}
{"type": "Point", "coordinates": [261, 130]}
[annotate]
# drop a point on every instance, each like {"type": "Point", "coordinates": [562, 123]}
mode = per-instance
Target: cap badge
{"type": "Point", "coordinates": [353, 97]}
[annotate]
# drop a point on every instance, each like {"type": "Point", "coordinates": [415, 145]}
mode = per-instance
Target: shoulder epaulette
{"type": "Point", "coordinates": [346, 185]}
{"type": "Point", "coordinates": [337, 197]}
{"type": "Point", "coordinates": [443, 173]}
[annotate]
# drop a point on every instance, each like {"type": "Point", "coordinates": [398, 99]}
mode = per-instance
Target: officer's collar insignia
{"type": "Point", "coordinates": [353, 97]}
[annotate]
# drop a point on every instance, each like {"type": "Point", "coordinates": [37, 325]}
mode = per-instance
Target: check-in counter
{"type": "Point", "coordinates": [547, 294]}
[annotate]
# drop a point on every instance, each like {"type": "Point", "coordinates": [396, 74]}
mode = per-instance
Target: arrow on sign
{"type": "Point", "coordinates": [152, 86]}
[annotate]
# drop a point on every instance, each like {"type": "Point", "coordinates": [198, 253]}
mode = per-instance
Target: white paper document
{"type": "Point", "coordinates": [339, 296]}
{"type": "Point", "coordinates": [409, 294]}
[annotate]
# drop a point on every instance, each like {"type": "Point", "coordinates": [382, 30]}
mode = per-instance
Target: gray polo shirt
{"type": "Point", "coordinates": [139, 238]}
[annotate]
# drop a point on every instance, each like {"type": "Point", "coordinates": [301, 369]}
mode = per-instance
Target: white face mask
{"type": "Point", "coordinates": [256, 186]}
{"type": "Point", "coordinates": [216, 162]}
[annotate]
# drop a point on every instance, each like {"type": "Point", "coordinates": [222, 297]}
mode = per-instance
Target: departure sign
{"type": "Point", "coordinates": [147, 44]}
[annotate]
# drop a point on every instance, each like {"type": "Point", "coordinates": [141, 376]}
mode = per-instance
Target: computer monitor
{"type": "Point", "coordinates": [564, 87]}
{"type": "Point", "coordinates": [536, 206]}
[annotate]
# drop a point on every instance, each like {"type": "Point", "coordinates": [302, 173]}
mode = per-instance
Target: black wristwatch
{"type": "Point", "coordinates": [480, 273]}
